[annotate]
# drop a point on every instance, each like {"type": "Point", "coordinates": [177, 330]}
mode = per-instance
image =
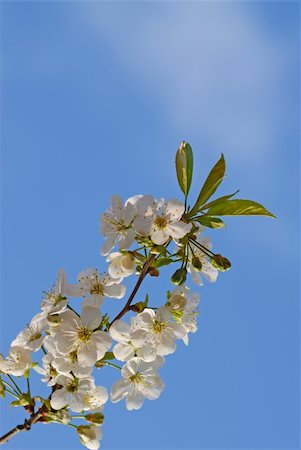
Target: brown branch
{"type": "Point", "coordinates": [142, 275]}
{"type": "Point", "coordinates": [26, 426]}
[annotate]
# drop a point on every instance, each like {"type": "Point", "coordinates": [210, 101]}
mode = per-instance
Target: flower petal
{"type": "Point", "coordinates": [120, 331]}
{"type": "Point", "coordinates": [119, 390]}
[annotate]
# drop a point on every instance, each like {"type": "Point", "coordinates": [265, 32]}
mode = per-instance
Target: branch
{"type": "Point", "coordinates": [26, 426]}
{"type": "Point", "coordinates": [142, 275]}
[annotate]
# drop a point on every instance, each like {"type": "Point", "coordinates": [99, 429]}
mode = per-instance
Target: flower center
{"type": "Point", "coordinates": [136, 378]}
{"type": "Point", "coordinates": [97, 288]}
{"type": "Point", "coordinates": [72, 386]}
{"type": "Point", "coordinates": [158, 327]}
{"type": "Point", "coordinates": [84, 334]}
{"type": "Point", "coordinates": [160, 222]}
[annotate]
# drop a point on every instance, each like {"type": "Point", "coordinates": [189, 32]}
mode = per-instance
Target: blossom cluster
{"type": "Point", "coordinates": [75, 343]}
{"type": "Point", "coordinates": [77, 338]}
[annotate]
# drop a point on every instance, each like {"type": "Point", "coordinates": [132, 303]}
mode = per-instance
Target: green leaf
{"type": "Point", "coordinates": [184, 167]}
{"type": "Point", "coordinates": [239, 208]}
{"type": "Point", "coordinates": [218, 200]}
{"type": "Point", "coordinates": [212, 182]}
{"type": "Point", "coordinates": [163, 262]}
{"type": "Point", "coordinates": [211, 222]}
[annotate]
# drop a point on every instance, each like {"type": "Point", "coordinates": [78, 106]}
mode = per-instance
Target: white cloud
{"type": "Point", "coordinates": [212, 68]}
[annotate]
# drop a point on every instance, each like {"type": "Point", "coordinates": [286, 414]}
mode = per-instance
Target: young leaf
{"type": "Point", "coordinates": [184, 167]}
{"type": "Point", "coordinates": [163, 262]}
{"type": "Point", "coordinates": [211, 184]}
{"type": "Point", "coordinates": [211, 222]}
{"type": "Point", "coordinates": [218, 200]}
{"type": "Point", "coordinates": [239, 208]}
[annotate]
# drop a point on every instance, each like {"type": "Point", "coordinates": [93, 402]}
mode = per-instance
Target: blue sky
{"type": "Point", "coordinates": [96, 98]}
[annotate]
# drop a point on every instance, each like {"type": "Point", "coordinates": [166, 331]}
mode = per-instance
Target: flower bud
{"type": "Point", "coordinates": [90, 436]}
{"type": "Point", "coordinates": [154, 272]}
{"type": "Point", "coordinates": [179, 277]}
{"type": "Point", "coordinates": [96, 418]}
{"type": "Point", "coordinates": [220, 262]}
{"type": "Point", "coordinates": [196, 264]}
{"type": "Point", "coordinates": [177, 302]}
{"type": "Point", "coordinates": [2, 388]}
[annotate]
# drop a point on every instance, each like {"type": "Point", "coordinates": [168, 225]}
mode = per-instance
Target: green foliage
{"type": "Point", "coordinates": [163, 262]}
{"type": "Point", "coordinates": [211, 222]}
{"type": "Point", "coordinates": [184, 167]}
{"type": "Point", "coordinates": [212, 182]}
{"type": "Point", "coordinates": [239, 208]}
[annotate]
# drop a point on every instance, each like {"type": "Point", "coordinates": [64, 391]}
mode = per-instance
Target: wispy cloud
{"type": "Point", "coordinates": [214, 70]}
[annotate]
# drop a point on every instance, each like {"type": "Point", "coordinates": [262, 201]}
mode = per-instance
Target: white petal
{"type": "Point", "coordinates": [115, 291]}
{"type": "Point", "coordinates": [134, 400]}
{"type": "Point", "coordinates": [127, 240]}
{"type": "Point", "coordinates": [120, 331]}
{"type": "Point", "coordinates": [94, 301]}
{"type": "Point", "coordinates": [159, 237]}
{"type": "Point", "coordinates": [117, 207]}
{"type": "Point", "coordinates": [178, 229]}
{"type": "Point", "coordinates": [196, 276]}
{"type": "Point", "coordinates": [76, 403]}
{"type": "Point", "coordinates": [178, 330]}
{"type": "Point", "coordinates": [175, 209]}
{"type": "Point", "coordinates": [210, 272]}
{"type": "Point", "coordinates": [102, 341]}
{"type": "Point", "coordinates": [91, 317]}
{"type": "Point", "coordinates": [155, 388]}
{"type": "Point", "coordinates": [59, 399]}
{"type": "Point", "coordinates": [108, 245]}
{"type": "Point", "coordinates": [86, 354]}
{"type": "Point", "coordinates": [119, 390]}
{"type": "Point", "coordinates": [143, 225]}
{"type": "Point", "coordinates": [123, 351]}
{"type": "Point", "coordinates": [129, 214]}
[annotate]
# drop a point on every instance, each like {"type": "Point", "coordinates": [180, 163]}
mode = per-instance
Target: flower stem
{"type": "Point", "coordinates": [12, 393]}
{"type": "Point", "coordinates": [15, 384]}
{"type": "Point", "coordinates": [110, 364]}
{"type": "Point", "coordinates": [11, 387]}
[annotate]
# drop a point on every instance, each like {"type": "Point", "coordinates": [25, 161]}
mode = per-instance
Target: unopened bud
{"type": "Point", "coordinates": [97, 418]}
{"type": "Point", "coordinates": [177, 302]}
{"type": "Point", "coordinates": [154, 272]}
{"type": "Point", "coordinates": [220, 262]}
{"type": "Point", "coordinates": [197, 264]}
{"type": "Point", "coordinates": [179, 277]}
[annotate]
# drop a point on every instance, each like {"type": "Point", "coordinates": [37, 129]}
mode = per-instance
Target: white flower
{"type": "Point", "coordinates": [116, 225]}
{"type": "Point", "coordinates": [140, 381]}
{"type": "Point", "coordinates": [79, 334]}
{"type": "Point", "coordinates": [48, 370]}
{"type": "Point", "coordinates": [158, 330]}
{"type": "Point", "coordinates": [18, 361]}
{"type": "Point", "coordinates": [56, 301]}
{"type": "Point", "coordinates": [90, 435]}
{"type": "Point", "coordinates": [98, 286]}
{"type": "Point", "coordinates": [71, 393]}
{"type": "Point", "coordinates": [126, 349]}
{"type": "Point", "coordinates": [95, 399]}
{"type": "Point", "coordinates": [31, 337]}
{"type": "Point", "coordinates": [68, 363]}
{"type": "Point", "coordinates": [208, 270]}
{"type": "Point", "coordinates": [121, 265]}
{"type": "Point", "coordinates": [160, 220]}
{"type": "Point", "coordinates": [189, 317]}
